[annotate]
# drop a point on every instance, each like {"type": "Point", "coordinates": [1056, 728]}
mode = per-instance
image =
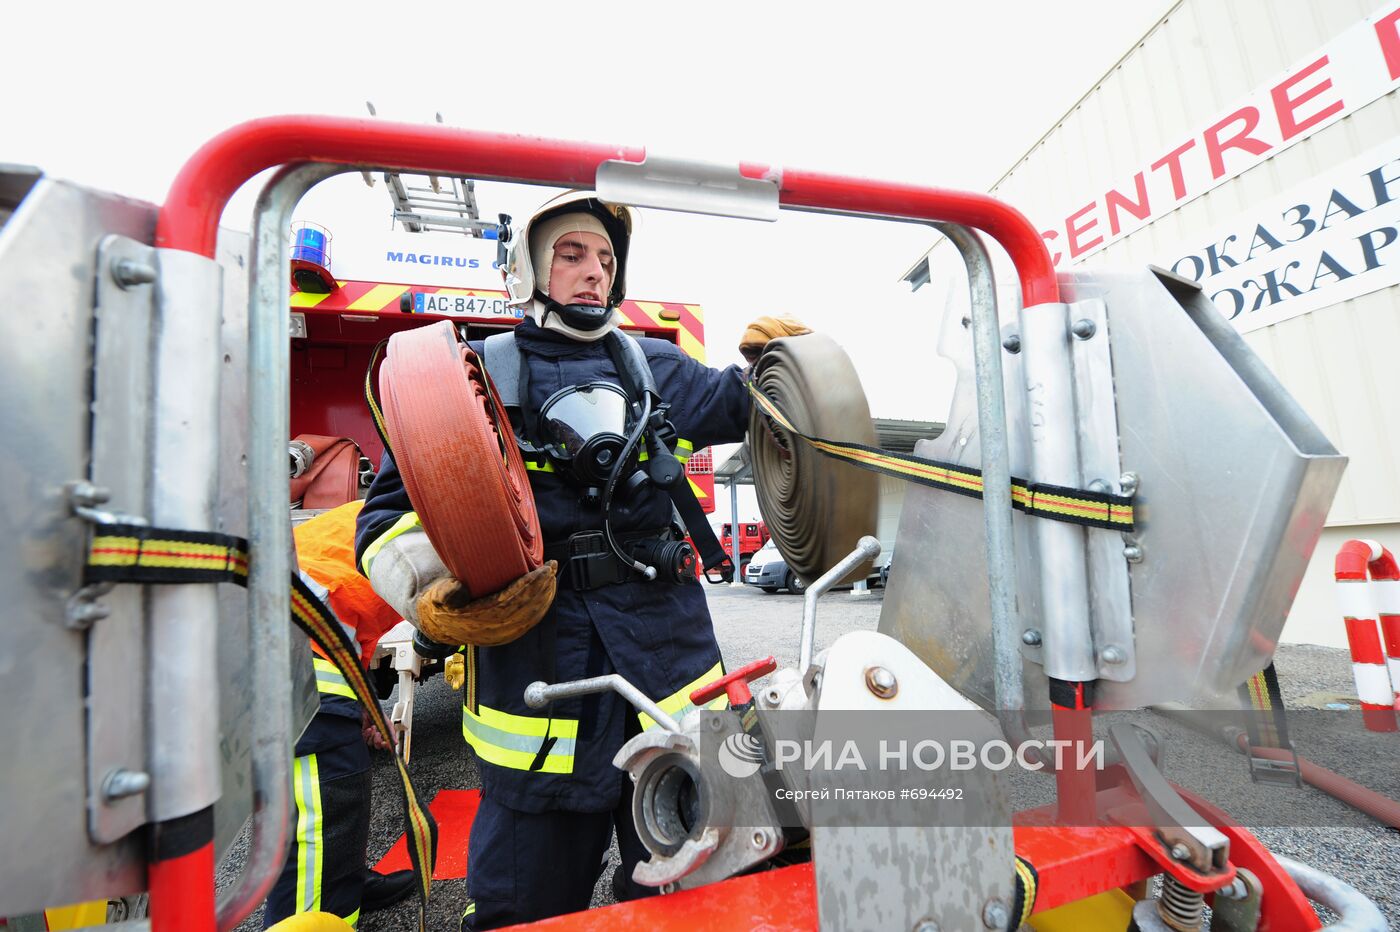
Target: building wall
{"type": "Point", "coordinates": [1205, 59]}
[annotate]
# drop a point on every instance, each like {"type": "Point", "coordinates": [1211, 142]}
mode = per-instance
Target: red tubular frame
{"type": "Point", "coordinates": [190, 217]}
{"type": "Point", "coordinates": [182, 892]}
{"type": "Point", "coordinates": [182, 889]}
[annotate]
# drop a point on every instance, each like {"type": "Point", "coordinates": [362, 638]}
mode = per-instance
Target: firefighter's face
{"type": "Point", "coordinates": [581, 271]}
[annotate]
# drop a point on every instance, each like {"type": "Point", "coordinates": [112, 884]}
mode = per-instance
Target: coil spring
{"type": "Point", "coordinates": [1179, 907]}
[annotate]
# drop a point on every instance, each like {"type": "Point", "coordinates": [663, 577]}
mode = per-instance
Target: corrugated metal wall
{"type": "Point", "coordinates": [1338, 361]}
{"type": "Point", "coordinates": [1201, 58]}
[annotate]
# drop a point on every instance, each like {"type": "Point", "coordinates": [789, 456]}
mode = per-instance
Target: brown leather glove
{"type": "Point", "coordinates": [758, 333]}
{"type": "Point", "coordinates": [449, 615]}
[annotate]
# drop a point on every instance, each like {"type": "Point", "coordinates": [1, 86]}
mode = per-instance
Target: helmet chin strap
{"type": "Point", "coordinates": [563, 318]}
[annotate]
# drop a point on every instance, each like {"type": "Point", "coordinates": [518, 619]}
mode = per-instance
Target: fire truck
{"type": "Point", "coordinates": [336, 324]}
{"type": "Point", "coordinates": [752, 536]}
{"type": "Point", "coordinates": [1086, 550]}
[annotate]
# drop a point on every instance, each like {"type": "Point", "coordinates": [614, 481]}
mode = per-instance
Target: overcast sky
{"type": "Point", "coordinates": [940, 93]}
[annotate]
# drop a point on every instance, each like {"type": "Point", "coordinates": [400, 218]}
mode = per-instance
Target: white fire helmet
{"type": "Point", "coordinates": [526, 285]}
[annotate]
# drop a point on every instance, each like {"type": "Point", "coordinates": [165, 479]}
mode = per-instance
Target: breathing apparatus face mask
{"type": "Point", "coordinates": [584, 430]}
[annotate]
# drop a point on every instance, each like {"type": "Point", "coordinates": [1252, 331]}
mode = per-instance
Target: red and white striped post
{"type": "Point", "coordinates": [1385, 584]}
{"type": "Point", "coordinates": [1368, 589]}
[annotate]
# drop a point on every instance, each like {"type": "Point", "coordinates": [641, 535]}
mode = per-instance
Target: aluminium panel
{"type": "Point", "coordinates": [48, 250]}
{"type": "Point", "coordinates": [1235, 481]}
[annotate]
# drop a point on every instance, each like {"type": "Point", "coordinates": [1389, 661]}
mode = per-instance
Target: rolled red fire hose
{"type": "Point", "coordinates": [455, 450]}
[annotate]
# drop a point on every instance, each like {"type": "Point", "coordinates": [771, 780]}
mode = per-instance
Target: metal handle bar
{"type": "Point", "coordinates": [539, 694]}
{"type": "Point", "coordinates": [867, 548]}
{"type": "Point", "coordinates": [190, 216]}
{"type": "Point", "coordinates": [269, 537]}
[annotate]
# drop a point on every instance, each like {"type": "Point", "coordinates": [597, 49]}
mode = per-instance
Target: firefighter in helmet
{"type": "Point", "coordinates": [617, 593]}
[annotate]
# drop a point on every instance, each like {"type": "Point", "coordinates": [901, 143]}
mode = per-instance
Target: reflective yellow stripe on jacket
{"type": "Point", "coordinates": [684, 450]}
{"type": "Point", "coordinates": [678, 704]}
{"type": "Point", "coordinates": [516, 741]}
{"type": "Point", "coordinates": [329, 680]}
{"type": "Point", "coordinates": [407, 522]}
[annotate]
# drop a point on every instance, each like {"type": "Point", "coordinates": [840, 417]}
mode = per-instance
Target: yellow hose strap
{"type": "Point", "coordinates": [1058, 503]}
{"type": "Point", "coordinates": [1027, 886]}
{"type": "Point", "coordinates": [129, 553]}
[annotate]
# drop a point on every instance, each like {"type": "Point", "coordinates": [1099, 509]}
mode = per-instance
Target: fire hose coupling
{"type": "Point", "coordinates": [301, 456]}
{"type": "Point", "coordinates": [703, 823]}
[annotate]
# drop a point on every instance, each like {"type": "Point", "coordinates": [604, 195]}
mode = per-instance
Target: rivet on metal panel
{"type": "Point", "coordinates": [127, 272]}
{"type": "Point", "coordinates": [121, 783]}
{"type": "Point", "coordinates": [1099, 486]}
{"type": "Point", "coordinates": [760, 839]}
{"type": "Point", "coordinates": [773, 697]}
{"type": "Point", "coordinates": [1113, 654]}
{"type": "Point", "coordinates": [1012, 342]}
{"type": "Point", "coordinates": [1128, 482]}
{"type": "Point", "coordinates": [98, 516]}
{"type": "Point", "coordinates": [1030, 637]}
{"type": "Point", "coordinates": [926, 925]}
{"type": "Point", "coordinates": [881, 682]}
{"type": "Point", "coordinates": [995, 915]}
{"type": "Point", "coordinates": [87, 494]}
{"type": "Point", "coordinates": [1084, 328]}
{"type": "Point", "coordinates": [1132, 553]}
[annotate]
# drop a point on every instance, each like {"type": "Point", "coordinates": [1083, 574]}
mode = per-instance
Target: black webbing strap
{"type": "Point", "coordinates": [712, 555]}
{"type": "Point", "coordinates": [1075, 506]}
{"type": "Point", "coordinates": [1027, 886]}
{"type": "Point", "coordinates": [161, 556]}
{"type": "Point", "coordinates": [1261, 693]}
{"type": "Point", "coordinates": [376, 413]}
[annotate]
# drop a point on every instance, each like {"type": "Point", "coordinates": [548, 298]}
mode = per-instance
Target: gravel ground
{"type": "Point", "coordinates": [751, 624]}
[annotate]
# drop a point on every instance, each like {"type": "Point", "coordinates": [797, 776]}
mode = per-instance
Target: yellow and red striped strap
{"type": "Point", "coordinates": [1058, 503]}
{"type": "Point", "coordinates": [1262, 693]}
{"type": "Point", "coordinates": [133, 553]}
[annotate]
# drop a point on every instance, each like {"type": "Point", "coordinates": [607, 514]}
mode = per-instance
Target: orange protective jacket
{"type": "Point", "coordinates": [326, 553]}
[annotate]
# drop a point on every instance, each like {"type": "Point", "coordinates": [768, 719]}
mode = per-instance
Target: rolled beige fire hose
{"type": "Point", "coordinates": [817, 508]}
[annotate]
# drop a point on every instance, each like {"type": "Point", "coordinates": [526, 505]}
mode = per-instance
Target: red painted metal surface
{"type": "Point", "coordinates": [1075, 783]}
{"type": "Point", "coordinates": [1004, 223]}
{"type": "Point", "coordinates": [1075, 863]}
{"type": "Point", "coordinates": [190, 216]}
{"type": "Point", "coordinates": [734, 684]}
{"type": "Point", "coordinates": [454, 811]}
{"type": "Point", "coordinates": [1072, 862]}
{"type": "Point", "coordinates": [182, 892]}
{"type": "Point", "coordinates": [774, 901]}
{"type": "Point", "coordinates": [1283, 907]}
{"type": "Point", "coordinates": [1136, 820]}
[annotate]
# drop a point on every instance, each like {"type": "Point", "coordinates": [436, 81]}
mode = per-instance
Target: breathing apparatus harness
{"type": "Point", "coordinates": [574, 434]}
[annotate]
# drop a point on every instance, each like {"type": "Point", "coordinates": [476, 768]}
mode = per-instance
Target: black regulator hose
{"type": "Point", "coordinates": [622, 459]}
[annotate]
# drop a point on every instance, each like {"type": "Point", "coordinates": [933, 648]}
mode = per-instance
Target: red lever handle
{"type": "Point", "coordinates": [735, 683]}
